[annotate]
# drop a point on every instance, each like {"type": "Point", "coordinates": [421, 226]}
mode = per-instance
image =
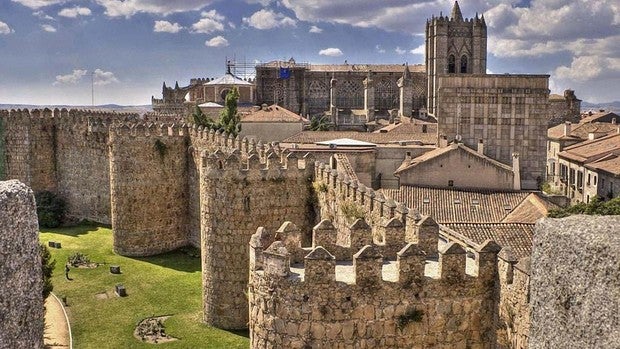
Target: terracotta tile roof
{"type": "Point", "coordinates": [273, 113]}
{"type": "Point", "coordinates": [598, 116]}
{"type": "Point", "coordinates": [609, 164]}
{"type": "Point", "coordinates": [582, 130]}
{"type": "Point", "coordinates": [433, 154]}
{"type": "Point", "coordinates": [556, 97]}
{"type": "Point", "coordinates": [530, 210]}
{"type": "Point", "coordinates": [514, 236]}
{"type": "Point", "coordinates": [379, 68]}
{"type": "Point", "coordinates": [412, 132]}
{"type": "Point", "coordinates": [458, 206]}
{"type": "Point", "coordinates": [345, 165]}
{"type": "Point", "coordinates": [591, 150]}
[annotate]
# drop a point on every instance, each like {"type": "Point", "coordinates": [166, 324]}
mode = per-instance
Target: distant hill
{"type": "Point", "coordinates": [611, 106]}
{"type": "Point", "coordinates": [140, 109]}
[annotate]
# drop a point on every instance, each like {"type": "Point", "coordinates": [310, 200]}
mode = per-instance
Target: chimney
{"type": "Point", "coordinates": [591, 136]}
{"type": "Point", "coordinates": [480, 147]}
{"type": "Point", "coordinates": [443, 141]}
{"type": "Point", "coordinates": [567, 128]}
{"type": "Point", "coordinates": [516, 170]}
{"type": "Point", "coordinates": [613, 121]}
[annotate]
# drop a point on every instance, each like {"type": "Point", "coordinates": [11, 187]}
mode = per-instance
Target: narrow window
{"type": "Point", "coordinates": [450, 183]}
{"type": "Point", "coordinates": [463, 64]}
{"type": "Point", "coordinates": [451, 65]}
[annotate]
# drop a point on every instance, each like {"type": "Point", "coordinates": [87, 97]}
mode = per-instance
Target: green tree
{"type": "Point", "coordinates": [47, 266]}
{"type": "Point", "coordinates": [319, 123]}
{"type": "Point", "coordinates": [595, 207]}
{"type": "Point", "coordinates": [229, 119]}
{"type": "Point", "coordinates": [50, 209]}
{"type": "Point", "coordinates": [200, 119]}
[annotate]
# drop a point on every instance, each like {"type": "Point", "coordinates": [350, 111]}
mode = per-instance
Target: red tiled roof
{"type": "Point", "coordinates": [458, 206]}
{"type": "Point", "coordinates": [609, 164]}
{"type": "Point", "coordinates": [591, 150]}
{"type": "Point", "coordinates": [582, 130]}
{"type": "Point", "coordinates": [410, 132]}
{"type": "Point", "coordinates": [273, 113]}
{"type": "Point", "coordinates": [514, 236]}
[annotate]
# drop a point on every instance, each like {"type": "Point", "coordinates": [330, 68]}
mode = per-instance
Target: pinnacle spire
{"type": "Point", "coordinates": [406, 72]}
{"type": "Point", "coordinates": [456, 12]}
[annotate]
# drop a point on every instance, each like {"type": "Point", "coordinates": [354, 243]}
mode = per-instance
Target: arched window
{"type": "Point", "coordinates": [463, 64]}
{"type": "Point", "coordinates": [451, 67]}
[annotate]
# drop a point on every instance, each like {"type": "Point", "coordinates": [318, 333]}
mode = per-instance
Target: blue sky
{"type": "Point", "coordinates": [51, 49]}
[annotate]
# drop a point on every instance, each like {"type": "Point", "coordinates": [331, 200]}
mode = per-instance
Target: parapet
{"type": "Point", "coordinates": [137, 130]}
{"type": "Point", "coordinates": [368, 261]}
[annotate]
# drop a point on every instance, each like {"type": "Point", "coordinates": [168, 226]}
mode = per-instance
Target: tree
{"type": "Point", "coordinates": [47, 266]}
{"type": "Point", "coordinates": [200, 119]}
{"type": "Point", "coordinates": [319, 123]}
{"type": "Point", "coordinates": [50, 209]}
{"type": "Point", "coordinates": [229, 119]}
{"type": "Point", "coordinates": [595, 207]}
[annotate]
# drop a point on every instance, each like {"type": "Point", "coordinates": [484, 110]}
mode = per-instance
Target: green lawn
{"type": "Point", "coordinates": [168, 284]}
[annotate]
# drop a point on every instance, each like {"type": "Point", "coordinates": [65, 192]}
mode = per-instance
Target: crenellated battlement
{"type": "Point", "coordinates": [148, 130]}
{"type": "Point", "coordinates": [368, 300]}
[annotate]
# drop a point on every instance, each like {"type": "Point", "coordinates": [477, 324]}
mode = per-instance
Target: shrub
{"type": "Point", "coordinates": [411, 315]}
{"type": "Point", "coordinates": [352, 211]}
{"type": "Point", "coordinates": [47, 266]}
{"type": "Point", "coordinates": [77, 259]}
{"type": "Point", "coordinates": [50, 209]}
{"type": "Point", "coordinates": [320, 187]}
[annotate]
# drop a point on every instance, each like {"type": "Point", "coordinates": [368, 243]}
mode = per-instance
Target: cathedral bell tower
{"type": "Point", "coordinates": [454, 46]}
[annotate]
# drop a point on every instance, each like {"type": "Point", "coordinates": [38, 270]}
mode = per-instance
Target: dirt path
{"type": "Point", "coordinates": [56, 328]}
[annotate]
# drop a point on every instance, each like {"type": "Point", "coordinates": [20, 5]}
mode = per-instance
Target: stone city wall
{"type": "Point", "coordinates": [342, 201]}
{"type": "Point", "coordinates": [514, 311]}
{"type": "Point", "coordinates": [322, 305]}
{"type": "Point", "coordinates": [64, 151]}
{"type": "Point", "coordinates": [21, 288]}
{"type": "Point", "coordinates": [148, 188]}
{"type": "Point", "coordinates": [237, 195]}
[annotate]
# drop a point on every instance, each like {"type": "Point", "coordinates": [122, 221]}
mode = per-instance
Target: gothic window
{"type": "Point", "coordinates": [451, 64]}
{"type": "Point", "coordinates": [318, 95]}
{"type": "Point", "coordinates": [386, 94]}
{"type": "Point", "coordinates": [463, 64]}
{"type": "Point", "coordinates": [350, 94]}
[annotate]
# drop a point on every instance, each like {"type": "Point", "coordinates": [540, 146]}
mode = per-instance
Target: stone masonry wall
{"type": "Point", "coordinates": [21, 288]}
{"type": "Point", "coordinates": [148, 185]}
{"type": "Point", "coordinates": [575, 283]}
{"type": "Point", "coordinates": [514, 312]}
{"type": "Point", "coordinates": [371, 309]}
{"type": "Point", "coordinates": [237, 196]}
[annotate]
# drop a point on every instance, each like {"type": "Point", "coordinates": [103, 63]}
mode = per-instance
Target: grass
{"type": "Point", "coordinates": [167, 284]}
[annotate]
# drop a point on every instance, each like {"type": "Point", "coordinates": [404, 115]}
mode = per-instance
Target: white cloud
{"type": "Point", "coordinates": [218, 41]}
{"type": "Point", "coordinates": [267, 19]}
{"type": "Point", "coordinates": [588, 68]}
{"type": "Point", "coordinates": [210, 22]}
{"type": "Point", "coordinates": [35, 4]}
{"type": "Point", "coordinates": [379, 49]}
{"type": "Point", "coordinates": [399, 50]}
{"type": "Point", "coordinates": [74, 12]}
{"type": "Point", "coordinates": [103, 77]}
{"type": "Point", "coordinates": [331, 51]}
{"type": "Point", "coordinates": [166, 27]}
{"type": "Point", "coordinates": [48, 28]}
{"type": "Point", "coordinates": [316, 30]}
{"type": "Point", "coordinates": [43, 15]}
{"type": "Point", "coordinates": [72, 78]}
{"type": "Point", "coordinates": [420, 50]}
{"type": "Point", "coordinates": [5, 29]}
{"type": "Point", "coordinates": [262, 2]}
{"type": "Point", "coordinates": [128, 8]}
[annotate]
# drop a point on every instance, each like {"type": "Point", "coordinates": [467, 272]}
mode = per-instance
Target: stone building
{"type": "Point", "coordinates": [453, 46]}
{"type": "Point", "coordinates": [173, 100]}
{"type": "Point", "coordinates": [564, 108]}
{"type": "Point", "coordinates": [271, 123]}
{"type": "Point", "coordinates": [359, 92]}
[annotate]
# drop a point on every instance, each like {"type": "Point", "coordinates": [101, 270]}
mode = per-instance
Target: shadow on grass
{"type": "Point", "coordinates": [180, 260]}
{"type": "Point", "coordinates": [242, 333]}
{"type": "Point", "coordinates": [75, 230]}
